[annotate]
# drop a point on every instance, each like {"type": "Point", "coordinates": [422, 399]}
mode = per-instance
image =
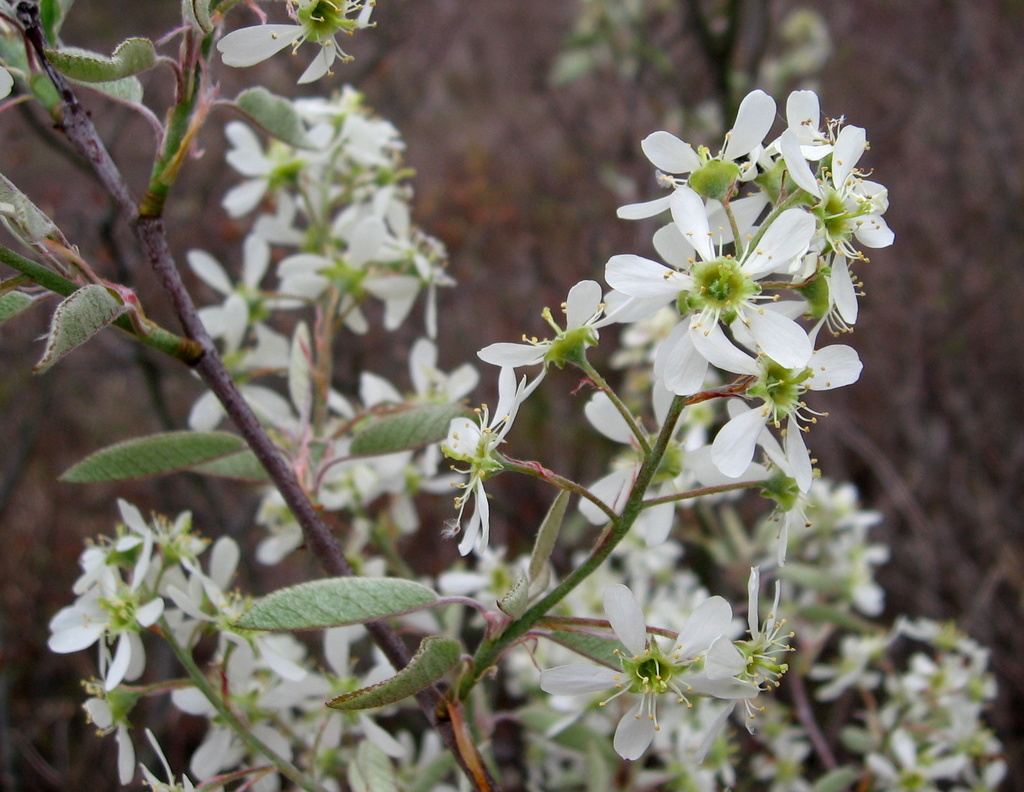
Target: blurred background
{"type": "Point", "coordinates": [523, 120]}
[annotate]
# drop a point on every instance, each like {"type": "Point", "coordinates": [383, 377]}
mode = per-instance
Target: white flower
{"type": "Point", "coordinates": [432, 384]}
{"type": "Point", "coordinates": [671, 155]}
{"type": "Point", "coordinates": [780, 388]}
{"type": "Point", "coordinates": [717, 288]}
{"type": "Point", "coordinates": [156, 784]}
{"type": "Point", "coordinates": [318, 21]}
{"type": "Point", "coordinates": [6, 82]}
{"type": "Point", "coordinates": [848, 207]}
{"type": "Point", "coordinates": [100, 712]}
{"type": "Point", "coordinates": [230, 320]}
{"type": "Point", "coordinates": [110, 608]}
{"type": "Point", "coordinates": [583, 310]}
{"type": "Point", "coordinates": [476, 443]}
{"type": "Point", "coordinates": [648, 671]}
{"type": "Point", "coordinates": [917, 766]}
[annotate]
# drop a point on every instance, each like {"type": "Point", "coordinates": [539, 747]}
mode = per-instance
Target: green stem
{"type": "Point", "coordinates": [198, 678]}
{"type": "Point", "coordinates": [181, 128]}
{"type": "Point", "coordinates": [624, 411]}
{"type": "Point", "coordinates": [737, 240]}
{"type": "Point", "coordinates": [490, 650]}
{"type": "Point", "coordinates": [151, 334]}
{"type": "Point", "coordinates": [537, 470]}
{"type": "Point", "coordinates": [699, 492]}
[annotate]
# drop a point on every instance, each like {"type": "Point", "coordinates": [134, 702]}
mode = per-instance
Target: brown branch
{"type": "Point", "coordinates": [149, 230]}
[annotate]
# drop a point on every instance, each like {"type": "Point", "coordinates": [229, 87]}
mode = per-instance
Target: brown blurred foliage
{"type": "Point", "coordinates": [510, 177]}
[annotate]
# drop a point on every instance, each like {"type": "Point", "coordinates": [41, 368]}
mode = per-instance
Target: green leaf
{"type": "Point", "coordinates": [594, 647]}
{"type": "Point", "coordinates": [197, 14]}
{"type": "Point", "coordinates": [405, 428]}
{"type": "Point", "coordinates": [127, 90]}
{"type": "Point", "coordinates": [547, 535]}
{"type": "Point", "coordinates": [274, 115]}
{"type": "Point", "coordinates": [436, 656]}
{"type": "Point", "coordinates": [429, 778]}
{"type": "Point", "coordinates": [132, 56]}
{"type": "Point", "coordinates": [372, 770]}
{"type": "Point", "coordinates": [334, 602]}
{"type": "Point", "coordinates": [516, 600]}
{"type": "Point", "coordinates": [29, 220]}
{"type": "Point", "coordinates": [243, 466]}
{"type": "Point", "coordinates": [13, 303]}
{"type": "Point", "coordinates": [836, 781]}
{"type": "Point", "coordinates": [827, 614]}
{"type": "Point", "coordinates": [77, 319]}
{"type": "Point", "coordinates": [576, 736]}
{"type": "Point", "coordinates": [152, 455]}
{"type": "Point", "coordinates": [52, 14]}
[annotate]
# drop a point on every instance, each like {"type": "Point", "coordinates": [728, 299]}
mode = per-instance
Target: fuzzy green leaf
{"type": "Point", "coordinates": [436, 656]}
{"type": "Point", "coordinates": [52, 14]}
{"type": "Point", "coordinates": [13, 303]}
{"type": "Point", "coordinates": [517, 598]}
{"type": "Point", "coordinates": [334, 602]}
{"type": "Point", "coordinates": [372, 770]}
{"type": "Point", "coordinates": [597, 648]}
{"type": "Point", "coordinates": [127, 90]}
{"type": "Point", "coordinates": [405, 429]}
{"type": "Point", "coordinates": [30, 222]}
{"type": "Point", "coordinates": [197, 14]}
{"type": "Point", "coordinates": [274, 115]}
{"type": "Point", "coordinates": [243, 466]}
{"type": "Point", "coordinates": [77, 319]}
{"type": "Point", "coordinates": [152, 455]}
{"type": "Point", "coordinates": [547, 535]}
{"type": "Point", "coordinates": [838, 780]}
{"type": "Point", "coordinates": [132, 56]}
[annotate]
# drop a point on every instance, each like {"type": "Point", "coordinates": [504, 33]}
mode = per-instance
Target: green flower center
{"type": "Point", "coordinates": [780, 387]}
{"type": "Point", "coordinates": [715, 179]}
{"type": "Point", "coordinates": [648, 673]}
{"type": "Point", "coordinates": [323, 18]}
{"type": "Point", "coordinates": [671, 463]}
{"type": "Point", "coordinates": [719, 285]}
{"type": "Point", "coordinates": [569, 346]}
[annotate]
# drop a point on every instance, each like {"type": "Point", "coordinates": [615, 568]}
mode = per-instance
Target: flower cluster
{"type": "Point", "coordinates": [701, 662]}
{"type": "Point", "coordinates": [723, 258]}
{"type": "Point", "coordinates": [333, 235]}
{"type": "Point", "coordinates": [721, 345]}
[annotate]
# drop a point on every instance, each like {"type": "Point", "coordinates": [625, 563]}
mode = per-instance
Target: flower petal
{"type": "Point", "coordinates": [626, 617]}
{"type": "Point", "coordinates": [670, 154]}
{"type": "Point", "coordinates": [252, 45]}
{"type": "Point", "coordinates": [641, 211]}
{"type": "Point", "coordinates": [209, 271]}
{"type": "Point", "coordinates": [679, 364]}
{"type": "Point", "coordinates": [119, 665]}
{"type": "Point", "coordinates": [690, 214]}
{"type": "Point", "coordinates": [796, 453]}
{"type": "Point", "coordinates": [786, 239]}
{"type": "Point", "coordinates": [640, 277]}
{"type": "Point", "coordinates": [733, 448]}
{"type": "Point", "coordinates": [754, 118]}
{"type": "Point", "coordinates": [798, 168]}
{"type": "Point", "coordinates": [780, 338]}
{"type": "Point", "coordinates": [583, 302]}
{"type": "Point", "coordinates": [572, 680]}
{"type": "Point", "coordinates": [850, 145]}
{"type": "Point", "coordinates": [803, 113]}
{"type": "Point", "coordinates": [873, 232]}
{"type": "Point", "coordinates": [707, 622]}
{"type": "Point", "coordinates": [834, 366]}
{"type": "Point", "coordinates": [634, 733]}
